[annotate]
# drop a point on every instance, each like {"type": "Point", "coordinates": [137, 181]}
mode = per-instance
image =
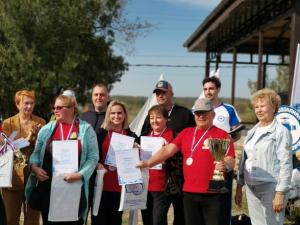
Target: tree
{"type": "Point", "coordinates": [279, 84]}
{"type": "Point", "coordinates": [51, 45]}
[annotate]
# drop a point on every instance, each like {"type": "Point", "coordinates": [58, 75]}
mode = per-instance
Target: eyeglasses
{"type": "Point", "coordinates": [202, 113]}
{"type": "Point", "coordinates": [59, 108]}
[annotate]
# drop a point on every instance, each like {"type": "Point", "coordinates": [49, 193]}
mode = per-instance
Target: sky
{"type": "Point", "coordinates": [176, 20]}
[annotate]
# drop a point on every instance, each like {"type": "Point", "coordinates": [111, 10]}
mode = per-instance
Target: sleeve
{"type": "Point", "coordinates": [146, 126]}
{"type": "Point", "coordinates": [1, 128]}
{"type": "Point", "coordinates": [284, 157]}
{"type": "Point", "coordinates": [234, 118]}
{"type": "Point", "coordinates": [92, 153]}
{"type": "Point", "coordinates": [179, 138]}
{"type": "Point", "coordinates": [7, 127]}
{"type": "Point", "coordinates": [35, 156]}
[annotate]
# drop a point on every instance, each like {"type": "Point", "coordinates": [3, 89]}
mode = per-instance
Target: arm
{"type": "Point", "coordinates": [238, 195]}
{"type": "Point", "coordinates": [160, 156]}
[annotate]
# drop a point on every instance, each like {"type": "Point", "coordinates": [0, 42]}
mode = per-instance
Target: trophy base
{"type": "Point", "coordinates": [218, 186]}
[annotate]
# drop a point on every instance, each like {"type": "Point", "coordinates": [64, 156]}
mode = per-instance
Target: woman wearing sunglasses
{"type": "Point", "coordinates": [65, 127]}
{"type": "Point", "coordinates": [27, 126]}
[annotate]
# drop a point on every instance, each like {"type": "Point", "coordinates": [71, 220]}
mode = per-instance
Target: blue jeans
{"type": "Point", "coordinates": [260, 204]}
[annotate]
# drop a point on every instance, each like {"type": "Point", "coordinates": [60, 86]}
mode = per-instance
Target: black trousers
{"type": "Point", "coordinates": [157, 208]}
{"type": "Point", "coordinates": [201, 209]}
{"type": "Point", "coordinates": [109, 213]}
{"type": "Point", "coordinates": [2, 212]}
{"type": "Point", "coordinates": [178, 211]}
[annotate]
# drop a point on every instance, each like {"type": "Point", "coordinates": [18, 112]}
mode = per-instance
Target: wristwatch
{"type": "Point", "coordinates": [227, 168]}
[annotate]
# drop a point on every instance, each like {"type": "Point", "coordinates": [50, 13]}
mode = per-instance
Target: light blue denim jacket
{"type": "Point", "coordinates": [89, 154]}
{"type": "Point", "coordinates": [272, 157]}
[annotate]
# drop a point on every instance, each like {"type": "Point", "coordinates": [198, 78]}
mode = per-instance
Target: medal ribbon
{"type": "Point", "coordinates": [193, 149]}
{"type": "Point", "coordinates": [70, 131]}
{"type": "Point", "coordinates": [170, 110]}
{"type": "Point", "coordinates": [160, 133]}
{"type": "Point", "coordinates": [7, 142]}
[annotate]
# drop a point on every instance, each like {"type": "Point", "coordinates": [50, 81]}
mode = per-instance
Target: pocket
{"type": "Point", "coordinates": [17, 179]}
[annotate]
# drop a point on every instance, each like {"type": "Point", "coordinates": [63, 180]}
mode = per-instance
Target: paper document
{"type": "Point", "coordinates": [117, 142]}
{"type": "Point", "coordinates": [13, 135]}
{"type": "Point", "coordinates": [126, 161]}
{"type": "Point", "coordinates": [65, 156]}
{"type": "Point", "coordinates": [149, 146]}
{"type": "Point", "coordinates": [20, 143]}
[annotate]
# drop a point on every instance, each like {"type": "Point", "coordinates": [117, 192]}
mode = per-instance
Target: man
{"type": "Point", "coordinates": [227, 119]}
{"type": "Point", "coordinates": [100, 98]}
{"type": "Point", "coordinates": [200, 206]}
{"type": "Point", "coordinates": [179, 118]}
{"type": "Point", "coordinates": [226, 115]}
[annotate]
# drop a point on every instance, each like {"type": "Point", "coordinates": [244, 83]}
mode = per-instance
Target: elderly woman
{"type": "Point", "coordinates": [65, 127]}
{"type": "Point", "coordinates": [165, 184]}
{"type": "Point", "coordinates": [27, 126]}
{"type": "Point", "coordinates": [266, 164]}
{"type": "Point", "coordinates": [116, 121]}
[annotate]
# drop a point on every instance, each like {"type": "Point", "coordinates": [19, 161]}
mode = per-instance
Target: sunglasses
{"type": "Point", "coordinates": [202, 113]}
{"type": "Point", "coordinates": [59, 108]}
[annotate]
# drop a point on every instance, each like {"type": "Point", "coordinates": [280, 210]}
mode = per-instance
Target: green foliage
{"type": "Point", "coordinates": [279, 84]}
{"type": "Point", "coordinates": [50, 45]}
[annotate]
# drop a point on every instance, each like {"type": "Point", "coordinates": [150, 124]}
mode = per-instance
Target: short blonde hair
{"type": "Point", "coordinates": [106, 123]}
{"type": "Point", "coordinates": [20, 95]}
{"type": "Point", "coordinates": [69, 101]}
{"type": "Point", "coordinates": [269, 95]}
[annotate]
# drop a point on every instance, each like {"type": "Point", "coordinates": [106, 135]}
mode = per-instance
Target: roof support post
{"type": "Point", "coordinates": [233, 75]}
{"type": "Point", "coordinates": [295, 39]}
{"type": "Point", "coordinates": [260, 58]}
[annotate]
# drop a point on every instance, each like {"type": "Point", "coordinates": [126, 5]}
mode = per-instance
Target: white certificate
{"type": "Point", "coordinates": [117, 142]}
{"type": "Point", "coordinates": [20, 143]}
{"type": "Point", "coordinates": [149, 146]}
{"type": "Point", "coordinates": [126, 161]}
{"type": "Point", "coordinates": [65, 156]}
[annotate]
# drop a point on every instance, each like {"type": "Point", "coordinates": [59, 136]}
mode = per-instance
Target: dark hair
{"type": "Point", "coordinates": [215, 80]}
{"type": "Point", "coordinates": [159, 109]}
{"type": "Point", "coordinates": [100, 86]}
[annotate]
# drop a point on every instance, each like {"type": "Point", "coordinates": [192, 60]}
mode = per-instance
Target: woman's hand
{"type": "Point", "coordinates": [99, 166]}
{"type": "Point", "coordinates": [2, 140]}
{"type": "Point", "coordinates": [40, 174]}
{"type": "Point", "coordinates": [278, 203]}
{"type": "Point", "coordinates": [238, 195]}
{"type": "Point", "coordinates": [72, 177]}
{"type": "Point", "coordinates": [35, 129]}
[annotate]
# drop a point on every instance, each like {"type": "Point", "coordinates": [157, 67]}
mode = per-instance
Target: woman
{"type": "Point", "coordinates": [65, 127]}
{"type": "Point", "coordinates": [27, 126]}
{"type": "Point", "coordinates": [266, 164]}
{"type": "Point", "coordinates": [164, 185]}
{"type": "Point", "coordinates": [116, 121]}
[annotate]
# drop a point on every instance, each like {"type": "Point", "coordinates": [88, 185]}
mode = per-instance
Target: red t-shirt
{"type": "Point", "coordinates": [197, 175]}
{"type": "Point", "coordinates": [1, 128]}
{"type": "Point", "coordinates": [73, 136]}
{"type": "Point", "coordinates": [110, 179]}
{"type": "Point", "coordinates": [157, 177]}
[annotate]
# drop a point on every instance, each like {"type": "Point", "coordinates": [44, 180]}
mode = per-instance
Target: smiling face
{"type": "Point", "coordinates": [164, 98]}
{"type": "Point", "coordinates": [116, 117]}
{"type": "Point", "coordinates": [210, 91]}
{"type": "Point", "coordinates": [26, 106]}
{"type": "Point", "coordinates": [204, 120]}
{"type": "Point", "coordinates": [264, 111]}
{"type": "Point", "coordinates": [157, 121]}
{"type": "Point", "coordinates": [100, 97]}
{"type": "Point", "coordinates": [63, 114]}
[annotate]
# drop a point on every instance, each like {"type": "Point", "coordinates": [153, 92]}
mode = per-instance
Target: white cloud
{"type": "Point", "coordinates": [197, 3]}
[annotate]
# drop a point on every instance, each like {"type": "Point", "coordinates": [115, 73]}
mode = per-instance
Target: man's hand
{"type": "Point", "coordinates": [220, 166]}
{"type": "Point", "coordinates": [142, 165]}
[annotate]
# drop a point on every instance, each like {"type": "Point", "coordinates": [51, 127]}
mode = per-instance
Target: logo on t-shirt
{"type": "Point", "coordinates": [205, 144]}
{"type": "Point", "coordinates": [290, 118]}
{"type": "Point", "coordinates": [221, 118]}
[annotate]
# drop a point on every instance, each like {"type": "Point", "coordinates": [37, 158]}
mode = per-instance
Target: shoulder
{"type": "Point", "coordinates": [84, 114]}
{"type": "Point", "coordinates": [181, 110]}
{"type": "Point", "coordinates": [38, 119]}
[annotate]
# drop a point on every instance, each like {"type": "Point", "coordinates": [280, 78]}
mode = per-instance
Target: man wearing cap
{"type": "Point", "coordinates": [227, 119]}
{"type": "Point", "coordinates": [100, 98]}
{"type": "Point", "coordinates": [200, 206]}
{"type": "Point", "coordinates": [179, 118]}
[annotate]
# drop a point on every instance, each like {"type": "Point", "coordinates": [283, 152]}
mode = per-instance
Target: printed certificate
{"type": "Point", "coordinates": [126, 161]}
{"type": "Point", "coordinates": [117, 142]}
{"type": "Point", "coordinates": [65, 156]}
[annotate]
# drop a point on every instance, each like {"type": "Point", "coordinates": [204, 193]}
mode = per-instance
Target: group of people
{"type": "Point", "coordinates": [264, 169]}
